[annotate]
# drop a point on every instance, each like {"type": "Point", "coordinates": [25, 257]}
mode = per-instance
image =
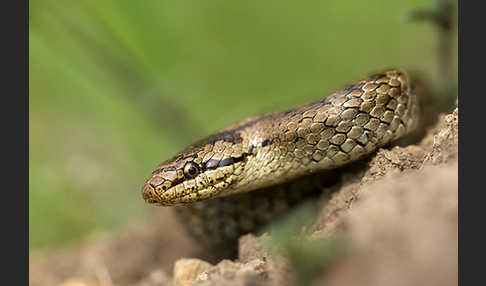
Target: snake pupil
{"type": "Point", "coordinates": [191, 170]}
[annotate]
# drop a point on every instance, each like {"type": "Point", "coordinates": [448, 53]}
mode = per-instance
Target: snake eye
{"type": "Point", "coordinates": [191, 170]}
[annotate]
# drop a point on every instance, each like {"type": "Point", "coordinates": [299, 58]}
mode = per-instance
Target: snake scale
{"type": "Point", "coordinates": [239, 179]}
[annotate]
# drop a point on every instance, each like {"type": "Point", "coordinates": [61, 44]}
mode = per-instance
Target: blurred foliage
{"type": "Point", "coordinates": [116, 87]}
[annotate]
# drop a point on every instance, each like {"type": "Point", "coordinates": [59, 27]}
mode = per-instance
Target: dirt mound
{"type": "Point", "coordinates": [398, 218]}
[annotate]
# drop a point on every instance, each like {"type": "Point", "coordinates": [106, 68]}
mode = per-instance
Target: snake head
{"type": "Point", "coordinates": [204, 170]}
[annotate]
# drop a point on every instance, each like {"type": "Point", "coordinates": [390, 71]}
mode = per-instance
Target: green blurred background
{"type": "Point", "coordinates": [118, 86]}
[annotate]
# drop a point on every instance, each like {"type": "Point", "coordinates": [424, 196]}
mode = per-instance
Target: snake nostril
{"type": "Point", "coordinates": [148, 191]}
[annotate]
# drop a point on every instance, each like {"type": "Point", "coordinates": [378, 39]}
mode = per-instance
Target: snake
{"type": "Point", "coordinates": [244, 176]}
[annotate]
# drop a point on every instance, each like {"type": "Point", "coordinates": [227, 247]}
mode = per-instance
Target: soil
{"type": "Point", "coordinates": [399, 218]}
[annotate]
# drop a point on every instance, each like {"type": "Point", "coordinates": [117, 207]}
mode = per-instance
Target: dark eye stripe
{"type": "Point", "coordinates": [226, 162]}
{"type": "Point", "coordinates": [213, 163]}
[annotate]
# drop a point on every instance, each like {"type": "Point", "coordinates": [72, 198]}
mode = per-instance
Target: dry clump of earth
{"type": "Point", "coordinates": [398, 217]}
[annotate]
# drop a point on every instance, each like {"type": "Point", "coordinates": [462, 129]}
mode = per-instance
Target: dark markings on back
{"type": "Point", "coordinates": [158, 170]}
{"type": "Point", "coordinates": [267, 142]}
{"type": "Point", "coordinates": [377, 76]}
{"type": "Point", "coordinates": [233, 135]}
{"type": "Point", "coordinates": [251, 149]}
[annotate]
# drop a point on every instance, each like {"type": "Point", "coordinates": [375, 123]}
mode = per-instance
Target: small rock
{"type": "Point", "coordinates": [228, 272]}
{"type": "Point", "coordinates": [187, 269]}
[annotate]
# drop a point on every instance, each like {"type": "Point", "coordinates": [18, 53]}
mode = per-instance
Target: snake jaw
{"type": "Point", "coordinates": [180, 194]}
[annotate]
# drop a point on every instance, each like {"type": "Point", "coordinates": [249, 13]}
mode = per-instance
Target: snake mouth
{"type": "Point", "coordinates": [149, 194]}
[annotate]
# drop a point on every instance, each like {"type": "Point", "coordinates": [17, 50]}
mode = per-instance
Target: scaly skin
{"type": "Point", "coordinates": [251, 166]}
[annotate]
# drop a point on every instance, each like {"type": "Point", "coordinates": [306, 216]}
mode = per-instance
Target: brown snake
{"type": "Point", "coordinates": [238, 179]}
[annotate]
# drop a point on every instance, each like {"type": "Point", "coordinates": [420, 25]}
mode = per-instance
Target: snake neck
{"type": "Point", "coordinates": [279, 147]}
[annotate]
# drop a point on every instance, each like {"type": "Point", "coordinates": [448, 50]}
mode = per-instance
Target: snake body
{"type": "Point", "coordinates": [238, 179]}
